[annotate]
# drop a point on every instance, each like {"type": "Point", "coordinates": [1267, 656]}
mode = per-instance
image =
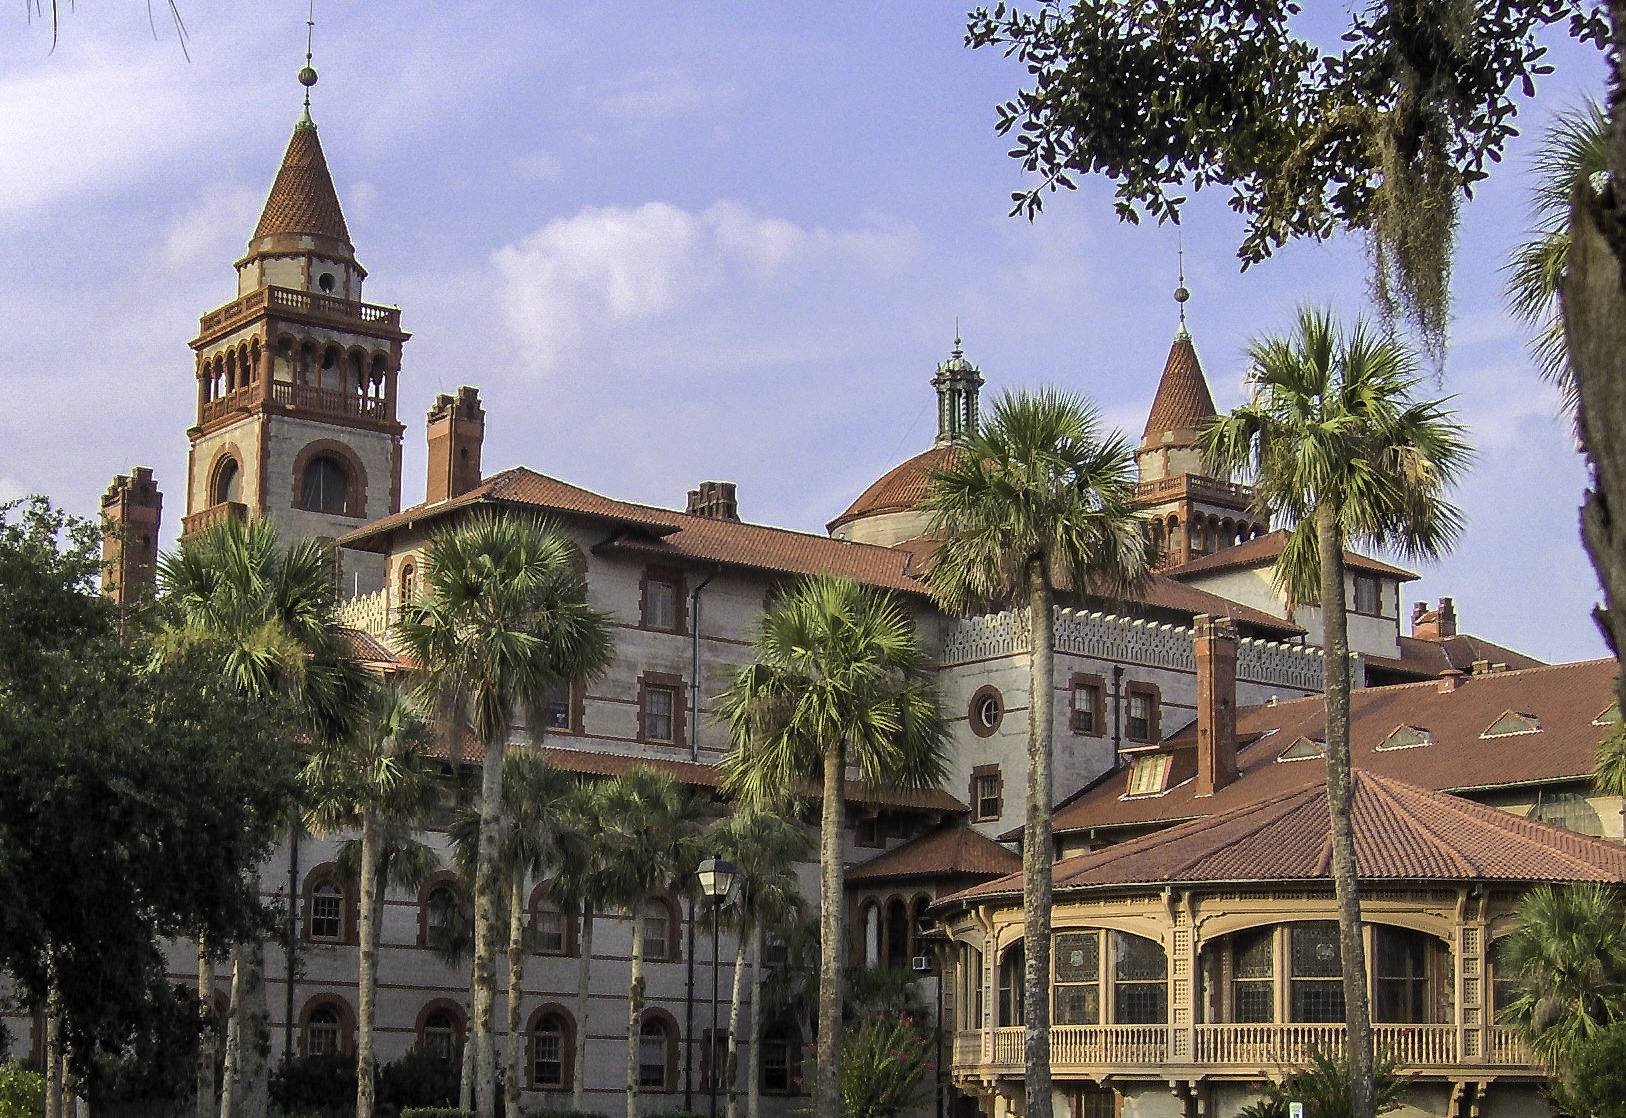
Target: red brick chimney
{"type": "Point", "coordinates": [716, 500]}
{"type": "Point", "coordinates": [1214, 642]}
{"type": "Point", "coordinates": [132, 509]}
{"type": "Point", "coordinates": [456, 428]}
{"type": "Point", "coordinates": [1434, 625]}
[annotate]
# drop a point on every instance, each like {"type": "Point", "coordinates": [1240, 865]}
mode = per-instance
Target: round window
{"type": "Point", "coordinates": [986, 712]}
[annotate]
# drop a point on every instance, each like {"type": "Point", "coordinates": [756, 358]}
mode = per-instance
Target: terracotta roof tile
{"type": "Point", "coordinates": [900, 488]}
{"type": "Point", "coordinates": [302, 198]}
{"type": "Point", "coordinates": [1402, 833]}
{"type": "Point", "coordinates": [667, 534]}
{"type": "Point", "coordinates": [1565, 698]}
{"type": "Point", "coordinates": [957, 851]}
{"type": "Point", "coordinates": [1428, 658]}
{"type": "Point", "coordinates": [1183, 401]}
{"type": "Point", "coordinates": [1266, 549]}
{"type": "Point", "coordinates": [361, 646]}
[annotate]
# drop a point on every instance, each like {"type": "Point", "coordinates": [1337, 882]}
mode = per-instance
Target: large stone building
{"type": "Point", "coordinates": [298, 384]}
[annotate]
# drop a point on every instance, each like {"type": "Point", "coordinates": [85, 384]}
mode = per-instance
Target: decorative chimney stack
{"type": "Point", "coordinates": [1434, 625]}
{"type": "Point", "coordinates": [715, 500]}
{"type": "Point", "coordinates": [1214, 641]}
{"type": "Point", "coordinates": [132, 509]}
{"type": "Point", "coordinates": [456, 429]}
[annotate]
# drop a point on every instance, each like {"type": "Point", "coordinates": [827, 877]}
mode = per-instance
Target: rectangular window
{"type": "Point", "coordinates": [654, 930]}
{"type": "Point", "coordinates": [1097, 1102]}
{"type": "Point", "coordinates": [1088, 704]}
{"type": "Point", "coordinates": [659, 704]}
{"type": "Point", "coordinates": [556, 708]}
{"type": "Point", "coordinates": [987, 792]}
{"type": "Point", "coordinates": [1368, 596]}
{"type": "Point", "coordinates": [550, 931]}
{"type": "Point", "coordinates": [1253, 986]}
{"type": "Point", "coordinates": [868, 832]}
{"type": "Point", "coordinates": [652, 1059]}
{"type": "Point", "coordinates": [1077, 965]}
{"type": "Point", "coordinates": [1148, 774]}
{"type": "Point", "coordinates": [776, 1063]}
{"type": "Point", "coordinates": [1142, 714]}
{"type": "Point", "coordinates": [663, 600]}
{"type": "Point", "coordinates": [1316, 989]}
{"type": "Point", "coordinates": [1140, 981]}
{"type": "Point", "coordinates": [327, 913]}
{"type": "Point", "coordinates": [550, 1059]}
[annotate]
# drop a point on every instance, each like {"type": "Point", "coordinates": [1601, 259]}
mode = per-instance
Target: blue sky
{"type": "Point", "coordinates": [674, 242]}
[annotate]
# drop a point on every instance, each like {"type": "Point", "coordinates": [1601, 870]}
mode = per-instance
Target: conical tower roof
{"type": "Point", "coordinates": [1183, 403]}
{"type": "Point", "coordinates": [302, 202]}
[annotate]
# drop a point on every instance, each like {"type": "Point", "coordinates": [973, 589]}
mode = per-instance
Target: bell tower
{"type": "Point", "coordinates": [296, 377]}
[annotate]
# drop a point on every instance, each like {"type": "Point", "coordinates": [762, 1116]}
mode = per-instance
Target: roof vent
{"type": "Point", "coordinates": [1450, 680]}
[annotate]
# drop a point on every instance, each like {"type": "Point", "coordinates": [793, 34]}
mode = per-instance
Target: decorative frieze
{"type": "Point", "coordinates": [1125, 640]}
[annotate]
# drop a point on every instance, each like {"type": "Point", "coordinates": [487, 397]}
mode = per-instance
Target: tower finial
{"type": "Point", "coordinates": [1181, 293]}
{"type": "Point", "coordinates": [307, 75]}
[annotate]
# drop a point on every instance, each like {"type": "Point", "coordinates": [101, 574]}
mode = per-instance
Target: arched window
{"type": "Point", "coordinates": [441, 1034]}
{"type": "Point", "coordinates": [654, 1054]}
{"type": "Point", "coordinates": [228, 483]}
{"type": "Point", "coordinates": [656, 927]}
{"type": "Point", "coordinates": [898, 939]}
{"type": "Point", "coordinates": [408, 582]}
{"type": "Point", "coordinates": [553, 928]}
{"type": "Point", "coordinates": [325, 1027]}
{"type": "Point", "coordinates": [445, 917]}
{"type": "Point", "coordinates": [552, 1043]}
{"type": "Point", "coordinates": [325, 486]}
{"type": "Point", "coordinates": [1129, 979]}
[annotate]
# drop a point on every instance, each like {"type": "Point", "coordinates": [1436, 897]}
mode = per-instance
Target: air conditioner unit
{"type": "Point", "coordinates": [922, 964]}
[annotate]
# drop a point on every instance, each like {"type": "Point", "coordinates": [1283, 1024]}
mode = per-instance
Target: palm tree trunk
{"type": "Point", "coordinates": [832, 922]}
{"type": "Point", "coordinates": [516, 990]}
{"type": "Point", "coordinates": [53, 1060]}
{"type": "Point", "coordinates": [753, 1058]}
{"type": "Point", "coordinates": [367, 978]}
{"type": "Point", "coordinates": [254, 1035]}
{"type": "Point", "coordinates": [1036, 846]}
{"type": "Point", "coordinates": [231, 1074]}
{"type": "Point", "coordinates": [583, 974]}
{"type": "Point", "coordinates": [1340, 805]}
{"type": "Point", "coordinates": [485, 940]}
{"type": "Point", "coordinates": [731, 1069]}
{"type": "Point", "coordinates": [205, 1079]}
{"type": "Point", "coordinates": [465, 1082]}
{"type": "Point", "coordinates": [635, 1007]}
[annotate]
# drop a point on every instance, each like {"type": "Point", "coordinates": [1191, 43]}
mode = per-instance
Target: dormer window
{"type": "Point", "coordinates": [1304, 749]}
{"type": "Point", "coordinates": [1511, 723]}
{"type": "Point", "coordinates": [1148, 774]}
{"type": "Point", "coordinates": [1405, 737]}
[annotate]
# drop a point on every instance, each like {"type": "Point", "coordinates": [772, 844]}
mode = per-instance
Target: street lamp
{"type": "Point", "coordinates": [716, 882]}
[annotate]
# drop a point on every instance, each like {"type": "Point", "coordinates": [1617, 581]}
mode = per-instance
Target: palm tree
{"type": "Point", "coordinates": [1570, 154]}
{"type": "Point", "coordinates": [764, 848]}
{"type": "Point", "coordinates": [838, 676]}
{"type": "Point", "coordinates": [1568, 960]}
{"type": "Point", "coordinates": [579, 887]}
{"type": "Point", "coordinates": [651, 847]}
{"type": "Point", "coordinates": [1038, 499]}
{"type": "Point", "coordinates": [503, 617]}
{"type": "Point", "coordinates": [264, 616]}
{"type": "Point", "coordinates": [1341, 455]}
{"type": "Point", "coordinates": [376, 782]}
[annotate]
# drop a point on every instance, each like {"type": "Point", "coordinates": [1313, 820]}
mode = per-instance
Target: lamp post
{"type": "Point", "coordinates": [716, 882]}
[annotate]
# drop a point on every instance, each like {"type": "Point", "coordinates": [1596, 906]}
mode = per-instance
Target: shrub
{"type": "Point", "coordinates": [435, 1112]}
{"type": "Point", "coordinates": [22, 1092]}
{"type": "Point", "coordinates": [315, 1085]}
{"type": "Point", "coordinates": [419, 1082]}
{"type": "Point", "coordinates": [1596, 1086]}
{"type": "Point", "coordinates": [883, 1061]}
{"type": "Point", "coordinates": [566, 1112]}
{"type": "Point", "coordinates": [1324, 1088]}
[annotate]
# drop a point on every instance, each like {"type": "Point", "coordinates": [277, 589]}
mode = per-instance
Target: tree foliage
{"type": "Point", "coordinates": [1568, 956]}
{"type": "Point", "coordinates": [160, 794]}
{"type": "Point", "coordinates": [1384, 136]}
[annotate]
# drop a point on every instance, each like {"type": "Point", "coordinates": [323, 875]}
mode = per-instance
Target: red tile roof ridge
{"type": "Point", "coordinates": [1265, 549]}
{"type": "Point", "coordinates": [958, 849]}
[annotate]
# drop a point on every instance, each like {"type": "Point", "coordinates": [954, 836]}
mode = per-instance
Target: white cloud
{"type": "Point", "coordinates": [606, 272]}
{"type": "Point", "coordinates": [213, 230]}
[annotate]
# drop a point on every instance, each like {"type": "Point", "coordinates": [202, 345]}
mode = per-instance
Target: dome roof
{"type": "Point", "coordinates": [899, 489]}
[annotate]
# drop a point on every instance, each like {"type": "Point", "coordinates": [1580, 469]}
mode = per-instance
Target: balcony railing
{"type": "Point", "coordinates": [1087, 1049]}
{"type": "Point", "coordinates": [341, 312]}
{"type": "Point", "coordinates": [329, 401]}
{"type": "Point", "coordinates": [204, 519]}
{"type": "Point", "coordinates": [230, 402]}
{"type": "Point", "coordinates": [1196, 487]}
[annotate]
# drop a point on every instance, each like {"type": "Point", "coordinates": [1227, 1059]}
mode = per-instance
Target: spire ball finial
{"type": "Point", "coordinates": [1181, 294]}
{"type": "Point", "coordinates": [307, 76]}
